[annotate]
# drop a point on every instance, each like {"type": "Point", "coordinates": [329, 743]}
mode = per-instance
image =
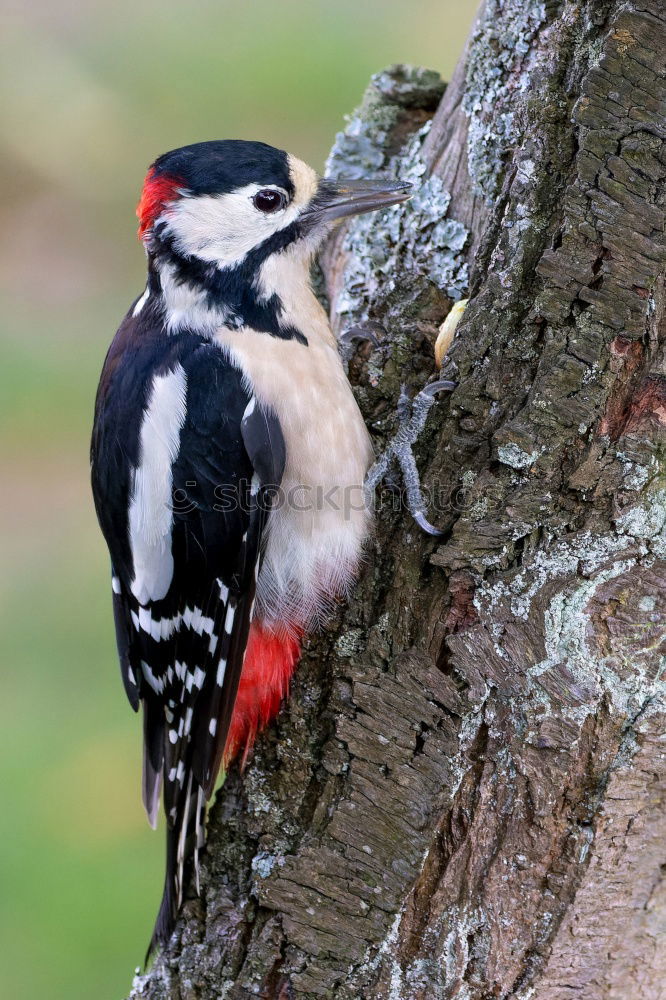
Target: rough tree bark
{"type": "Point", "coordinates": [466, 795]}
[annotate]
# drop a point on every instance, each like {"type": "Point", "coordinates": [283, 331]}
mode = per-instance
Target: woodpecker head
{"type": "Point", "coordinates": [219, 201]}
{"type": "Point", "coordinates": [216, 216]}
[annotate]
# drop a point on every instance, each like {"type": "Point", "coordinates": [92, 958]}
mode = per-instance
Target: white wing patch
{"type": "Point", "coordinates": [150, 510]}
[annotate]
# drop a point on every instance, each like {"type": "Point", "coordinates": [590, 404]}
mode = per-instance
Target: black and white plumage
{"type": "Point", "coordinates": [222, 387]}
{"type": "Point", "coordinates": [171, 428]}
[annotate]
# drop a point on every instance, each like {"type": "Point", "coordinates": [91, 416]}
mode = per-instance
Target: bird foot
{"type": "Point", "coordinates": [412, 415]}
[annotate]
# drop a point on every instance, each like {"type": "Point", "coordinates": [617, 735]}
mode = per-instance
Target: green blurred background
{"type": "Point", "coordinates": [90, 95]}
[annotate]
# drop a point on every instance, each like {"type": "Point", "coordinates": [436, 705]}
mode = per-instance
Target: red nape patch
{"type": "Point", "coordinates": [158, 189]}
{"type": "Point", "coordinates": [269, 664]}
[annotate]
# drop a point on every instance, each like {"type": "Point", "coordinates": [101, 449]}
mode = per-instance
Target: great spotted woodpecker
{"type": "Point", "coordinates": [228, 460]}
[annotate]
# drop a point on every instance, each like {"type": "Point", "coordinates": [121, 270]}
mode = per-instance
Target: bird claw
{"type": "Point", "coordinates": [425, 525]}
{"type": "Point", "coordinates": [369, 332]}
{"type": "Point", "coordinates": [360, 333]}
{"type": "Point", "coordinates": [441, 385]}
{"type": "Point", "coordinates": [412, 414]}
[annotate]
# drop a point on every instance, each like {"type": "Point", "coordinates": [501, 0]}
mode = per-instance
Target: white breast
{"type": "Point", "coordinates": [316, 534]}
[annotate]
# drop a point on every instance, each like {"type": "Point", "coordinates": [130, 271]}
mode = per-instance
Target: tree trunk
{"type": "Point", "coordinates": [465, 796]}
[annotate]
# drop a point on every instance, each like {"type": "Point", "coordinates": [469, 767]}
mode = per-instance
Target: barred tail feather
{"type": "Point", "coordinates": [268, 663]}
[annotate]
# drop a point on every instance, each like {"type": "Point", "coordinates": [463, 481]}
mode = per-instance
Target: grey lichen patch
{"type": "Point", "coordinates": [432, 977]}
{"type": "Point", "coordinates": [580, 569]}
{"type": "Point", "coordinates": [375, 956]}
{"type": "Point", "coordinates": [261, 801]}
{"type": "Point", "coordinates": [384, 623]}
{"type": "Point", "coordinates": [225, 989]}
{"type": "Point", "coordinates": [359, 151]}
{"type": "Point", "coordinates": [489, 99]}
{"type": "Point", "coordinates": [157, 978]}
{"type": "Point", "coordinates": [350, 642]}
{"type": "Point", "coordinates": [567, 640]}
{"type": "Point", "coordinates": [514, 456]}
{"type": "Point", "coordinates": [637, 476]}
{"type": "Point", "coordinates": [647, 520]}
{"type": "Point", "coordinates": [410, 241]}
{"type": "Point", "coordinates": [563, 559]}
{"type": "Point", "coordinates": [631, 683]}
{"type": "Point", "coordinates": [263, 863]}
{"type": "Point", "coordinates": [363, 148]}
{"type": "Point", "coordinates": [138, 983]}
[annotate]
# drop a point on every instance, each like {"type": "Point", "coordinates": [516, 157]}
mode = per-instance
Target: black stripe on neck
{"type": "Point", "coordinates": [233, 290]}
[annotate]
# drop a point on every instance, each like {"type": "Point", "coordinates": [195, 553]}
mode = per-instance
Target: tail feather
{"type": "Point", "coordinates": [268, 666]}
{"type": "Point", "coordinates": [199, 833]}
{"type": "Point", "coordinates": [153, 757]}
{"type": "Point", "coordinates": [182, 837]}
{"type": "Point", "coordinates": [150, 790]}
{"type": "Point", "coordinates": [168, 911]}
{"type": "Point", "coordinates": [185, 838]}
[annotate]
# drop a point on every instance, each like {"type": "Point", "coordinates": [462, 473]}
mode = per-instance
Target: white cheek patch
{"type": "Point", "coordinates": [223, 228]}
{"type": "Point", "coordinates": [150, 513]}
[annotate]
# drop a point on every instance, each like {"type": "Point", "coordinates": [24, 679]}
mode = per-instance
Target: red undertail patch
{"type": "Point", "coordinates": [269, 663]}
{"type": "Point", "coordinates": [158, 189]}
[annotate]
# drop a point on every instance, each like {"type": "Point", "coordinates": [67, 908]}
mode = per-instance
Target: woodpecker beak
{"type": "Point", "coordinates": [338, 199]}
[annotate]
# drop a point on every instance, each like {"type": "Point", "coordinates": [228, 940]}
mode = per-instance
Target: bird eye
{"type": "Point", "coordinates": [268, 200]}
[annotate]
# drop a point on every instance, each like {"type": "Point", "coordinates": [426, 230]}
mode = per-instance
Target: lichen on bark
{"type": "Point", "coordinates": [497, 68]}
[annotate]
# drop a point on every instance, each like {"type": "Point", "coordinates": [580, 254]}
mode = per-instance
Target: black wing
{"type": "Point", "coordinates": [181, 653]}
